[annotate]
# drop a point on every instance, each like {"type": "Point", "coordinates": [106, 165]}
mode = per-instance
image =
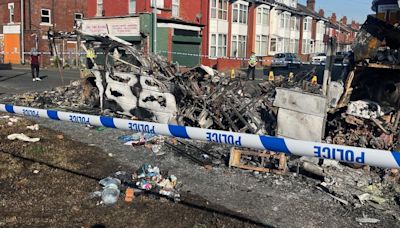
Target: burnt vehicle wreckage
{"type": "Point", "coordinates": [360, 111]}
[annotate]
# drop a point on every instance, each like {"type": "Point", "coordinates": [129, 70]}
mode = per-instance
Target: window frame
{"type": "Point", "coordinates": [11, 12]}
{"type": "Point", "coordinates": [217, 45]}
{"type": "Point", "coordinates": [99, 8]}
{"type": "Point", "coordinates": [176, 5]}
{"type": "Point", "coordinates": [240, 13]}
{"type": "Point", "coordinates": [273, 44]}
{"type": "Point", "coordinates": [45, 16]}
{"type": "Point", "coordinates": [132, 7]}
{"type": "Point", "coordinates": [222, 45]}
{"type": "Point", "coordinates": [260, 49]}
{"type": "Point", "coordinates": [262, 16]}
{"type": "Point", "coordinates": [238, 44]}
{"type": "Point", "coordinates": [76, 19]}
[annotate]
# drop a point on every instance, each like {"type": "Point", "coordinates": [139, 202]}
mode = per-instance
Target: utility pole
{"type": "Point", "coordinates": [154, 26]}
{"type": "Point", "coordinates": [329, 66]}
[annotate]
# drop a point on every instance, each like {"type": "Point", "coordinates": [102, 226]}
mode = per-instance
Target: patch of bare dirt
{"type": "Point", "coordinates": [48, 183]}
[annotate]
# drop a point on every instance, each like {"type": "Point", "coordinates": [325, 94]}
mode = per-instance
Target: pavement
{"type": "Point", "coordinates": [19, 80]}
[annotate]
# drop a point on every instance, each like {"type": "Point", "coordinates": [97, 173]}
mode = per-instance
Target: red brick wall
{"type": "Point", "coordinates": [205, 39]}
{"type": "Point", "coordinates": [62, 19]}
{"type": "Point", "coordinates": [189, 10]}
{"type": "Point", "coordinates": [251, 32]}
{"type": "Point", "coordinates": [110, 7]}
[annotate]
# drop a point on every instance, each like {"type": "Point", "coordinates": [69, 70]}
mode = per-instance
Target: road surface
{"type": "Point", "coordinates": [19, 80]}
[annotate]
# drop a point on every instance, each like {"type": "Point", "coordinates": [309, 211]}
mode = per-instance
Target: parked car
{"type": "Point", "coordinates": [339, 57]}
{"type": "Point", "coordinates": [319, 58]}
{"type": "Point", "coordinates": [285, 60]}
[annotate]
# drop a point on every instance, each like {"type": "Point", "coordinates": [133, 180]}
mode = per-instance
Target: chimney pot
{"type": "Point", "coordinates": [311, 4]}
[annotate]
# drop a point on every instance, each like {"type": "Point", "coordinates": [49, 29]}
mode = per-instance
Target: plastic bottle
{"type": "Point", "coordinates": [110, 194]}
{"type": "Point", "coordinates": [111, 191]}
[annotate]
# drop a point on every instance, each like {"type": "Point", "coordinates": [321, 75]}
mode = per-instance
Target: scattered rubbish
{"type": "Point", "coordinates": [129, 195]}
{"type": "Point", "coordinates": [95, 194]}
{"type": "Point", "coordinates": [157, 150]}
{"type": "Point", "coordinates": [258, 161]}
{"type": "Point", "coordinates": [110, 155]}
{"type": "Point", "coordinates": [110, 193]}
{"type": "Point", "coordinates": [365, 109]}
{"type": "Point", "coordinates": [150, 178]}
{"type": "Point", "coordinates": [367, 220]}
{"type": "Point", "coordinates": [33, 127]}
{"type": "Point", "coordinates": [22, 137]}
{"type": "Point", "coordinates": [36, 171]}
{"type": "Point", "coordinates": [137, 139]}
{"type": "Point", "coordinates": [100, 129]}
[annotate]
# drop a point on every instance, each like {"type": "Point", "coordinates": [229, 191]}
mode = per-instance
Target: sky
{"type": "Point", "coordinates": [353, 9]}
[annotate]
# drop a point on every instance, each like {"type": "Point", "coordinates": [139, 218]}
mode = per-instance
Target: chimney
{"type": "Point", "coordinates": [311, 5]}
{"type": "Point", "coordinates": [344, 20]}
{"type": "Point", "coordinates": [333, 18]}
{"type": "Point", "coordinates": [353, 24]}
{"type": "Point", "coordinates": [321, 13]}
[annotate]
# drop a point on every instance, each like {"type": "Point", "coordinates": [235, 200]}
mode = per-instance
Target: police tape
{"type": "Point", "coordinates": [348, 154]}
{"type": "Point", "coordinates": [187, 54]}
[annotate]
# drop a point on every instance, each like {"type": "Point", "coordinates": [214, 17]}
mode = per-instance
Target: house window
{"type": "Point", "coordinates": [238, 46]}
{"type": "Point", "coordinates": [218, 45]}
{"type": "Point", "coordinates": [222, 45]}
{"type": "Point", "coordinates": [307, 24]}
{"type": "Point", "coordinates": [132, 6]}
{"type": "Point", "coordinates": [175, 8]}
{"type": "Point", "coordinates": [320, 28]}
{"type": "Point", "coordinates": [294, 45]}
{"type": "Point", "coordinates": [307, 46]}
{"type": "Point", "coordinates": [294, 23]}
{"type": "Point", "coordinates": [78, 16]}
{"type": "Point", "coordinates": [46, 16]}
{"type": "Point", "coordinates": [273, 45]}
{"type": "Point", "coordinates": [262, 16]}
{"type": "Point", "coordinates": [261, 45]}
{"type": "Point", "coordinates": [99, 11]}
{"type": "Point", "coordinates": [219, 9]}
{"type": "Point", "coordinates": [240, 13]}
{"type": "Point", "coordinates": [11, 12]}
{"type": "Point", "coordinates": [213, 48]}
{"type": "Point", "coordinates": [223, 9]}
{"type": "Point", "coordinates": [214, 8]}
{"type": "Point", "coordinates": [284, 20]}
{"type": "Point", "coordinates": [286, 44]}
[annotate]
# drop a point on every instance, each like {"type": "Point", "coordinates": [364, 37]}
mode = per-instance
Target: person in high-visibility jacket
{"type": "Point", "coordinates": [90, 57]}
{"type": "Point", "coordinates": [252, 66]}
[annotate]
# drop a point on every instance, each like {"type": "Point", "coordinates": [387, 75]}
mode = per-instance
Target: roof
{"type": "Point", "coordinates": [310, 12]}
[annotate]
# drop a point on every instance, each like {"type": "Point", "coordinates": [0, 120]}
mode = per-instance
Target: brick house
{"type": "Point", "coordinates": [344, 33]}
{"type": "Point", "coordinates": [39, 17]}
{"type": "Point", "coordinates": [178, 25]}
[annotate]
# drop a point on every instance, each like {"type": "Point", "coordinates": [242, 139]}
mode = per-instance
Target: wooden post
{"type": "Point", "coordinates": [329, 66]}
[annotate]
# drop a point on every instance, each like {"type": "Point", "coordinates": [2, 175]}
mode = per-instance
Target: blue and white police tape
{"type": "Point", "coordinates": [363, 156]}
{"type": "Point", "coordinates": [72, 53]}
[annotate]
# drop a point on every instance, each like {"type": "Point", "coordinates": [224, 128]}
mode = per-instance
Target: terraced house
{"type": "Point", "coordinates": [233, 29]}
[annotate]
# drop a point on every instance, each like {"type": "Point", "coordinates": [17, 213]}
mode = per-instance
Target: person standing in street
{"type": "Point", "coordinates": [90, 57]}
{"type": "Point", "coordinates": [252, 66]}
{"type": "Point", "coordinates": [35, 65]}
